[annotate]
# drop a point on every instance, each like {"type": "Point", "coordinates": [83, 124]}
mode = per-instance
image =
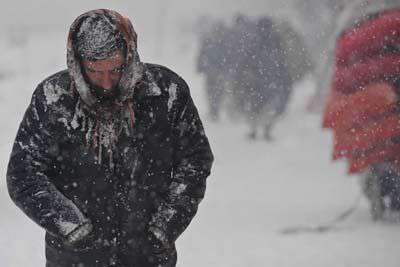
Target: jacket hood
{"type": "Point", "coordinates": [134, 68]}
{"type": "Point", "coordinates": [360, 11]}
{"type": "Point", "coordinates": [353, 13]}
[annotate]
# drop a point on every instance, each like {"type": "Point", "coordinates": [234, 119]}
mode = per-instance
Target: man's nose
{"type": "Point", "coordinates": [106, 82]}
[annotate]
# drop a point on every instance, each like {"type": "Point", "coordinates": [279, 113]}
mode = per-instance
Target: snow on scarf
{"type": "Point", "coordinates": [107, 121]}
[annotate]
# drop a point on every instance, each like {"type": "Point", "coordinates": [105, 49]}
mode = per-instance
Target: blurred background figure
{"type": "Point", "coordinates": [242, 47]}
{"type": "Point", "coordinates": [252, 65]}
{"type": "Point", "coordinates": [212, 63]}
{"type": "Point", "coordinates": [267, 78]}
{"type": "Point", "coordinates": [362, 108]}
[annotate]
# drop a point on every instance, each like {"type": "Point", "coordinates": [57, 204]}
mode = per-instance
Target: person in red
{"type": "Point", "coordinates": [362, 108]}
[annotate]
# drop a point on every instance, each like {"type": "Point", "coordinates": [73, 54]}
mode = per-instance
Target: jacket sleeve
{"type": "Point", "coordinates": [29, 186]}
{"type": "Point", "coordinates": [192, 164]}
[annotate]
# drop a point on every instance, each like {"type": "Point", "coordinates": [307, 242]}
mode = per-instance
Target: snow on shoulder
{"type": "Point", "coordinates": [52, 92]}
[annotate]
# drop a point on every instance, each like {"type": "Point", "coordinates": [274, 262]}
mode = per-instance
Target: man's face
{"type": "Point", "coordinates": [104, 75]}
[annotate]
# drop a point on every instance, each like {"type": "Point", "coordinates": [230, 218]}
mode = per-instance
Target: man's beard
{"type": "Point", "coordinates": [105, 96]}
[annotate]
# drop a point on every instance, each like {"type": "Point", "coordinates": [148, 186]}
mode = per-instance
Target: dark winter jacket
{"type": "Point", "coordinates": [135, 169]}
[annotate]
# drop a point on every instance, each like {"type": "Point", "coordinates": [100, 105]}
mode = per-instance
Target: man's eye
{"type": "Point", "coordinates": [118, 70]}
{"type": "Point", "coordinates": [90, 70]}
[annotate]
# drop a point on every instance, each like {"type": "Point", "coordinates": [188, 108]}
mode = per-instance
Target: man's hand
{"type": "Point", "coordinates": [158, 249]}
{"type": "Point", "coordinates": [79, 234]}
{"type": "Point", "coordinates": [157, 240]}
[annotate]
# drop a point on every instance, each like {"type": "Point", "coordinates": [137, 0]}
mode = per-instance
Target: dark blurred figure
{"type": "Point", "coordinates": [212, 63]}
{"type": "Point", "coordinates": [381, 185]}
{"type": "Point", "coordinates": [242, 53]}
{"type": "Point", "coordinates": [252, 64]}
{"type": "Point", "coordinates": [263, 78]}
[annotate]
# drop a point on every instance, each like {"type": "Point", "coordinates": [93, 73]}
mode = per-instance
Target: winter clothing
{"type": "Point", "coordinates": [346, 16]}
{"type": "Point", "coordinates": [362, 108]}
{"type": "Point", "coordinates": [79, 233]}
{"type": "Point", "coordinates": [98, 38]}
{"type": "Point", "coordinates": [133, 170]}
{"type": "Point", "coordinates": [368, 53]}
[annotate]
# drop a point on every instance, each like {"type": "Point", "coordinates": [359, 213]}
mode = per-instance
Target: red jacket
{"type": "Point", "coordinates": [362, 106]}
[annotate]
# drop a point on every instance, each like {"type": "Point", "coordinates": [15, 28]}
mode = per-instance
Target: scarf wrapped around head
{"type": "Point", "coordinates": [97, 35]}
{"type": "Point", "coordinates": [98, 38]}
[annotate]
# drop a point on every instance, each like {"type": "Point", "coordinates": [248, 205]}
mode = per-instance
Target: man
{"type": "Point", "coordinates": [111, 158]}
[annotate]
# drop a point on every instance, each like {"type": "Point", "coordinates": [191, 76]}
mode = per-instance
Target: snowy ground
{"type": "Point", "coordinates": [256, 190]}
{"type": "Point", "coordinates": [259, 189]}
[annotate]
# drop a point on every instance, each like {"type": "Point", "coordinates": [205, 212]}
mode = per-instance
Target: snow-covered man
{"type": "Point", "coordinates": [111, 158]}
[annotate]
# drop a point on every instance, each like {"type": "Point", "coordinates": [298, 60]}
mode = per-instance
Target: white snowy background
{"type": "Point", "coordinates": [256, 190]}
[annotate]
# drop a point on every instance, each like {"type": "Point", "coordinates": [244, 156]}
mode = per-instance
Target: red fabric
{"type": "Point", "coordinates": [362, 106]}
{"type": "Point", "coordinates": [363, 160]}
{"type": "Point", "coordinates": [352, 78]}
{"type": "Point", "coordinates": [368, 38]}
{"type": "Point", "coordinates": [363, 125]}
{"type": "Point", "coordinates": [346, 111]}
{"type": "Point", "coordinates": [372, 134]}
